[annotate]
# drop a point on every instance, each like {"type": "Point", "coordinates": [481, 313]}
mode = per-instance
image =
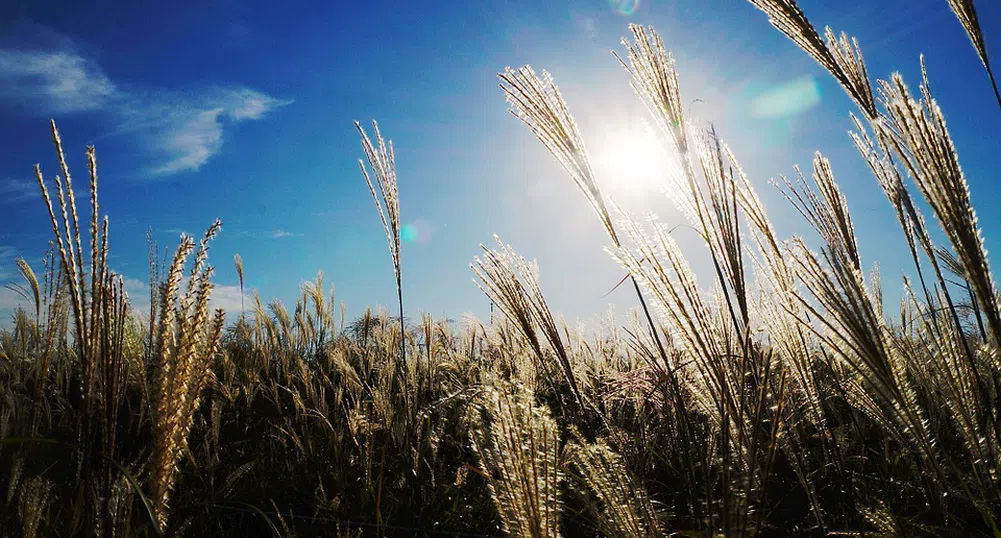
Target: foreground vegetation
{"type": "Point", "coordinates": [772, 397]}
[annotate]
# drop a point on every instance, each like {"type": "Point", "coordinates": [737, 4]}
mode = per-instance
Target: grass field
{"type": "Point", "coordinates": [774, 396]}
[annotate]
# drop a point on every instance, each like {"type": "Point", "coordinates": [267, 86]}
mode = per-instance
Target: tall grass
{"type": "Point", "coordinates": [775, 394]}
{"type": "Point", "coordinates": [966, 12]}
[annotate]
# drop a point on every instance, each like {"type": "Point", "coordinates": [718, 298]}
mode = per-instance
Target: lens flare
{"type": "Point", "coordinates": [408, 233]}
{"type": "Point", "coordinates": [624, 7]}
{"type": "Point", "coordinates": [418, 231]}
{"type": "Point", "coordinates": [787, 99]}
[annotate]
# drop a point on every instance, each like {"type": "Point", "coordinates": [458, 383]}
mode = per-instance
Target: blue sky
{"type": "Point", "coordinates": [243, 111]}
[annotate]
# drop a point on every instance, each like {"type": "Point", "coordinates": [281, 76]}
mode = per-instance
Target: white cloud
{"type": "Point", "coordinates": [246, 104]}
{"type": "Point", "coordinates": [182, 129]}
{"type": "Point", "coordinates": [57, 81]}
{"type": "Point", "coordinates": [9, 301]}
{"type": "Point", "coordinates": [191, 142]}
{"type": "Point", "coordinates": [188, 133]}
{"type": "Point", "coordinates": [226, 297]}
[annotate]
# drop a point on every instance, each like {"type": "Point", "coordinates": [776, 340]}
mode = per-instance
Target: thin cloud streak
{"type": "Point", "coordinates": [18, 190]}
{"type": "Point", "coordinates": [281, 234]}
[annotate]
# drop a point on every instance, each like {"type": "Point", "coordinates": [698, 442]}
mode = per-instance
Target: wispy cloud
{"type": "Point", "coordinates": [58, 81]}
{"type": "Point", "coordinates": [18, 190]}
{"type": "Point", "coordinates": [281, 234]}
{"type": "Point", "coordinates": [189, 132]}
{"type": "Point", "coordinates": [586, 25]}
{"type": "Point", "coordinates": [9, 299]}
{"type": "Point", "coordinates": [182, 128]}
{"type": "Point", "coordinates": [273, 234]}
{"type": "Point", "coordinates": [14, 191]}
{"type": "Point", "coordinates": [7, 256]}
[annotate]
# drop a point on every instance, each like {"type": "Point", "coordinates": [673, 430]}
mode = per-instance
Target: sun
{"type": "Point", "coordinates": [631, 159]}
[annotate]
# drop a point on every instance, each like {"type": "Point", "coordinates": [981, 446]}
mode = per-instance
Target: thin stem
{"type": "Point", "coordinates": [994, 84]}
{"type": "Point", "coordinates": [403, 334]}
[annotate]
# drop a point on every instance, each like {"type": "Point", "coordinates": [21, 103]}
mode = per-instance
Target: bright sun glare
{"type": "Point", "coordinates": [632, 161]}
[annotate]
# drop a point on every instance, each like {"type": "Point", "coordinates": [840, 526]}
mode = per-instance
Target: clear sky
{"type": "Point", "coordinates": [243, 110]}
